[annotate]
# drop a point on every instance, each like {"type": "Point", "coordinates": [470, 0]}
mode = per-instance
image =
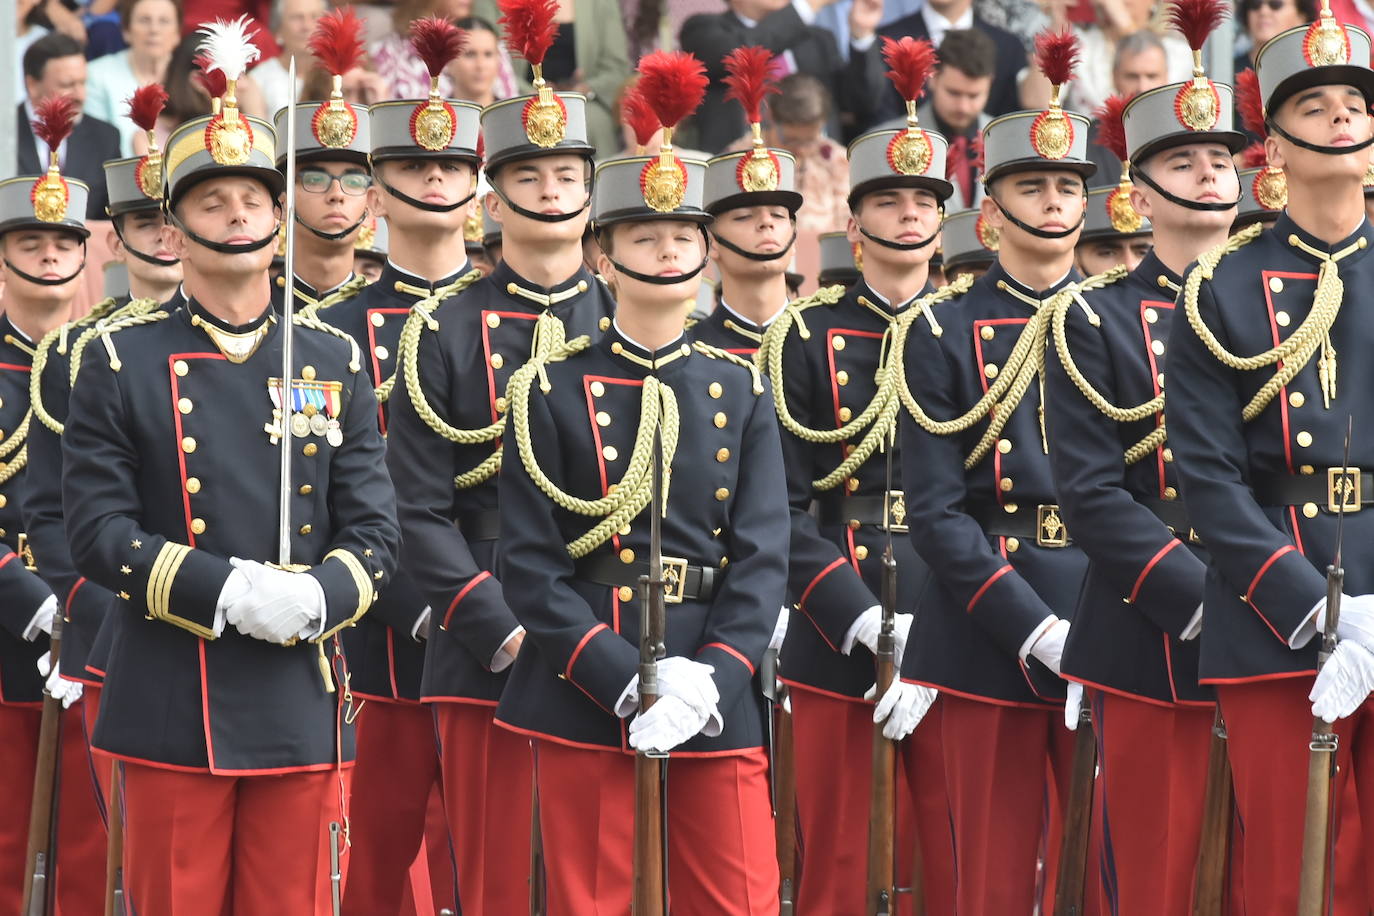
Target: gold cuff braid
{"type": "Point", "coordinates": [159, 591]}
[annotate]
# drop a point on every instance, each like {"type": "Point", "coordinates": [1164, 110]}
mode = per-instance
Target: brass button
{"type": "Point", "coordinates": [197, 526]}
{"type": "Point", "coordinates": [837, 342]}
{"type": "Point", "coordinates": [188, 445]}
{"type": "Point", "coordinates": [1281, 319]}
{"type": "Point", "coordinates": [722, 455]}
{"type": "Point", "coordinates": [624, 532]}
{"type": "Point", "coordinates": [1006, 484]}
{"type": "Point", "coordinates": [720, 420]}
{"type": "Point", "coordinates": [1004, 446]}
{"type": "Point", "coordinates": [861, 552]}
{"type": "Point", "coordinates": [1013, 545]}
{"type": "Point", "coordinates": [497, 360]}
{"type": "Point", "coordinates": [500, 404]}
{"type": "Point", "coordinates": [626, 593]}
{"type": "Point", "coordinates": [1275, 284]}
{"type": "Point", "coordinates": [1010, 508]}
{"type": "Point", "coordinates": [1157, 347]}
{"type": "Point", "coordinates": [1151, 315]}
{"type": "Point", "coordinates": [193, 485]}
{"type": "Point", "coordinates": [609, 453]}
{"type": "Point", "coordinates": [842, 377]}
{"type": "Point", "coordinates": [1168, 455]}
{"type": "Point", "coordinates": [988, 332]}
{"type": "Point", "coordinates": [1170, 493]}
{"type": "Point", "coordinates": [603, 418]}
{"type": "Point", "coordinates": [306, 529]}
{"type": "Point", "coordinates": [1309, 510]}
{"type": "Point", "coordinates": [1307, 469]}
{"type": "Point", "coordinates": [1159, 380]}
{"type": "Point", "coordinates": [627, 555]}
{"type": "Point", "coordinates": [845, 414]}
{"type": "Point", "coordinates": [381, 351]}
{"type": "Point", "coordinates": [184, 405]}
{"type": "Point", "coordinates": [377, 319]}
{"type": "Point", "coordinates": [306, 489]}
{"type": "Point", "coordinates": [598, 389]}
{"type": "Point", "coordinates": [852, 484]}
{"type": "Point", "coordinates": [715, 390]}
{"type": "Point", "coordinates": [180, 367]}
{"type": "Point", "coordinates": [722, 494]}
{"type": "Point", "coordinates": [3, 500]}
{"type": "Point", "coordinates": [511, 288]}
{"type": "Point", "coordinates": [493, 320]}
{"type": "Point", "coordinates": [308, 373]}
{"type": "Point", "coordinates": [604, 323]}
{"type": "Point", "coordinates": [310, 449]}
{"type": "Point", "coordinates": [1304, 438]}
{"type": "Point", "coordinates": [1297, 399]}
{"type": "Point", "coordinates": [582, 286]}
{"type": "Point", "coordinates": [990, 370]}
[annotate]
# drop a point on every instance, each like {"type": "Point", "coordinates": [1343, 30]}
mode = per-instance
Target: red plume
{"type": "Point", "coordinates": [748, 81]}
{"type": "Point", "coordinates": [1250, 103]}
{"type": "Point", "coordinates": [1254, 156]}
{"type": "Point", "coordinates": [53, 119]}
{"type": "Point", "coordinates": [1197, 19]}
{"type": "Point", "coordinates": [212, 81]}
{"type": "Point", "coordinates": [146, 104]}
{"type": "Point", "coordinates": [977, 151]}
{"type": "Point", "coordinates": [910, 61]}
{"type": "Point", "coordinates": [638, 116]}
{"type": "Point", "coordinates": [337, 41]}
{"type": "Point", "coordinates": [1111, 129]}
{"type": "Point", "coordinates": [437, 41]}
{"type": "Point", "coordinates": [529, 25]}
{"type": "Point", "coordinates": [673, 84]}
{"type": "Point", "coordinates": [1056, 54]}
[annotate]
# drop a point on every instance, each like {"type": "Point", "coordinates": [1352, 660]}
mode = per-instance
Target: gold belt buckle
{"type": "Point", "coordinates": [674, 574]}
{"type": "Point", "coordinates": [1049, 527]}
{"type": "Point", "coordinates": [1344, 490]}
{"type": "Point", "coordinates": [894, 512]}
{"type": "Point", "coordinates": [25, 553]}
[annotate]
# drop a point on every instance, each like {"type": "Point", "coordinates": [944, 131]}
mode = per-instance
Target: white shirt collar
{"type": "Point", "coordinates": [771, 318]}
{"type": "Point", "coordinates": [650, 350]}
{"type": "Point", "coordinates": [937, 25]}
{"type": "Point", "coordinates": [462, 269]}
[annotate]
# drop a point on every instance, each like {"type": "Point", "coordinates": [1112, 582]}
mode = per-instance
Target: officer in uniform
{"type": "Point", "coordinates": [370, 248]}
{"type": "Point", "coordinates": [583, 423]}
{"type": "Point", "coordinates": [991, 625]}
{"type": "Point", "coordinates": [43, 248]}
{"type": "Point", "coordinates": [1113, 234]}
{"type": "Point", "coordinates": [1264, 383]}
{"type": "Point", "coordinates": [227, 695]}
{"type": "Point", "coordinates": [827, 357]}
{"type": "Point", "coordinates": [839, 261]}
{"type": "Point", "coordinates": [1134, 646]}
{"type": "Point", "coordinates": [445, 452]}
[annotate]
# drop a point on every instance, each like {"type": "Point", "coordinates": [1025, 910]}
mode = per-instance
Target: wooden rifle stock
{"type": "Point", "coordinates": [882, 788]}
{"type": "Point", "coordinates": [114, 850]}
{"type": "Point", "coordinates": [1073, 847]}
{"type": "Point", "coordinates": [40, 862]}
{"type": "Point", "coordinates": [1321, 768]}
{"type": "Point", "coordinates": [538, 904]}
{"type": "Point", "coordinates": [785, 822]}
{"type": "Point", "coordinates": [1209, 888]}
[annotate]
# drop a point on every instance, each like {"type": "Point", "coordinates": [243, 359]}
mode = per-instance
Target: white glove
{"type": "Point", "coordinates": [780, 629]}
{"type": "Point", "coordinates": [420, 632]}
{"type": "Point", "coordinates": [901, 708]}
{"type": "Point", "coordinates": [668, 723]}
{"type": "Point", "coordinates": [1344, 682]}
{"type": "Point", "coordinates": [281, 604]}
{"type": "Point", "coordinates": [865, 632]}
{"type": "Point", "coordinates": [1073, 705]}
{"type": "Point", "coordinates": [690, 681]}
{"type": "Point", "coordinates": [1049, 648]}
{"type": "Point", "coordinates": [1194, 627]}
{"type": "Point", "coordinates": [41, 622]}
{"type": "Point", "coordinates": [57, 686]}
{"type": "Point", "coordinates": [1356, 622]}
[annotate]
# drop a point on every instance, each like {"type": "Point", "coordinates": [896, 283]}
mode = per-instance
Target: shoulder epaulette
{"type": "Point", "coordinates": [132, 314]}
{"type": "Point", "coordinates": [1074, 292]}
{"type": "Point", "coordinates": [313, 323]}
{"type": "Point", "coordinates": [926, 304]}
{"type": "Point", "coordinates": [717, 353]}
{"type": "Point", "coordinates": [58, 337]}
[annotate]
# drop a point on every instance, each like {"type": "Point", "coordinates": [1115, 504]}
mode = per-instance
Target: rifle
{"type": "Point", "coordinates": [114, 850]}
{"type": "Point", "coordinates": [1321, 762]}
{"type": "Point", "coordinates": [41, 858]}
{"type": "Point", "coordinates": [784, 784]}
{"type": "Point", "coordinates": [1073, 846]}
{"type": "Point", "coordinates": [335, 874]}
{"type": "Point", "coordinates": [538, 905]}
{"type": "Point", "coordinates": [1209, 887]}
{"type": "Point", "coordinates": [650, 851]}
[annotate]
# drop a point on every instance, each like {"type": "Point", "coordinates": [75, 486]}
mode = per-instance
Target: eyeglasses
{"type": "Point", "coordinates": [317, 181]}
{"type": "Point", "coordinates": [1273, 6]}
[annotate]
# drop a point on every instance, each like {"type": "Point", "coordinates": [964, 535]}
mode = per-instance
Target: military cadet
{"type": "Point", "coordinates": [990, 628]}
{"type": "Point", "coordinates": [827, 358]}
{"type": "Point", "coordinates": [1134, 648]}
{"type": "Point", "coordinates": [1113, 234]}
{"type": "Point", "coordinates": [369, 249]}
{"type": "Point", "coordinates": [583, 423]}
{"type": "Point", "coordinates": [43, 248]}
{"type": "Point", "coordinates": [447, 410]}
{"type": "Point", "coordinates": [752, 198]}
{"type": "Point", "coordinates": [1263, 385]}
{"type": "Point", "coordinates": [332, 172]}
{"type": "Point", "coordinates": [226, 696]}
{"type": "Point", "coordinates": [839, 260]}
{"type": "Point", "coordinates": [969, 244]}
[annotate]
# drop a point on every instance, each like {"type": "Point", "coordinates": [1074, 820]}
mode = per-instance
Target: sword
{"type": "Point", "coordinates": [287, 311]}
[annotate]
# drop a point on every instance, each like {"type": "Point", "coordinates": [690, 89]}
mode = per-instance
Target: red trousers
{"type": "Point", "coordinates": [722, 858]}
{"type": "Point", "coordinates": [396, 773]}
{"type": "Point", "coordinates": [197, 844]}
{"type": "Point", "coordinates": [1269, 724]}
{"type": "Point", "coordinates": [1152, 770]}
{"type": "Point", "coordinates": [488, 778]}
{"type": "Point", "coordinates": [834, 757]}
{"type": "Point", "coordinates": [1007, 769]}
{"type": "Point", "coordinates": [80, 833]}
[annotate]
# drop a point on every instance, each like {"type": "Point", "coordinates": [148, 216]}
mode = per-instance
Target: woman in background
{"type": "Point", "coordinates": [152, 29]}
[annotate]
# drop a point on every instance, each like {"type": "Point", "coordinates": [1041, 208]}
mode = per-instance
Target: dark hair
{"type": "Point", "coordinates": [970, 51]}
{"type": "Point", "coordinates": [184, 99]}
{"type": "Point", "coordinates": [476, 24]}
{"type": "Point", "coordinates": [1307, 8]}
{"type": "Point", "coordinates": [50, 47]}
{"type": "Point", "coordinates": [802, 99]}
{"type": "Point", "coordinates": [125, 9]}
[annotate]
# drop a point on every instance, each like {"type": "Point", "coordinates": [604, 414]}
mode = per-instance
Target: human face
{"type": "Point", "coordinates": [332, 209]}
{"type": "Point", "coordinates": [1199, 172]}
{"type": "Point", "coordinates": [1139, 73]}
{"type": "Point", "coordinates": [142, 231]}
{"type": "Point", "coordinates": [1326, 116]}
{"type": "Point", "coordinates": [1100, 255]}
{"type": "Point", "coordinates": [765, 229]}
{"type": "Point", "coordinates": [802, 140]}
{"type": "Point", "coordinates": [434, 181]}
{"type": "Point", "coordinates": [49, 254]}
{"type": "Point", "coordinates": [298, 18]}
{"type": "Point", "coordinates": [1263, 21]}
{"type": "Point", "coordinates": [368, 267]}
{"type": "Point", "coordinates": [232, 210]}
{"type": "Point", "coordinates": [61, 76]}
{"type": "Point", "coordinates": [660, 248]}
{"type": "Point", "coordinates": [905, 215]}
{"type": "Point", "coordinates": [153, 29]}
{"type": "Point", "coordinates": [957, 97]}
{"type": "Point", "coordinates": [474, 71]}
{"type": "Point", "coordinates": [545, 184]}
{"type": "Point", "coordinates": [1051, 200]}
{"type": "Point", "coordinates": [1138, 13]}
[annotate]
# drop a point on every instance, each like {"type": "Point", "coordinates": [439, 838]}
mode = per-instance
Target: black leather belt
{"type": "Point", "coordinates": [1045, 526]}
{"type": "Point", "coordinates": [1332, 489]}
{"type": "Point", "coordinates": [682, 581]}
{"type": "Point", "coordinates": [1174, 515]}
{"type": "Point", "coordinates": [482, 525]}
{"type": "Point", "coordinates": [853, 511]}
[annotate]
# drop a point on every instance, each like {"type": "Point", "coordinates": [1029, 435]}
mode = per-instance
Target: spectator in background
{"type": "Point", "coordinates": [56, 65]}
{"type": "Point", "coordinates": [482, 73]}
{"type": "Point", "coordinates": [186, 99]}
{"type": "Point", "coordinates": [293, 21]}
{"type": "Point", "coordinates": [395, 60]}
{"type": "Point", "coordinates": [956, 99]}
{"type": "Point", "coordinates": [1140, 64]}
{"type": "Point", "coordinates": [361, 85]}
{"type": "Point", "coordinates": [152, 29]}
{"type": "Point", "coordinates": [835, 18]}
{"type": "Point", "coordinates": [1263, 19]}
{"type": "Point", "coordinates": [262, 12]}
{"type": "Point", "coordinates": [796, 119]}
{"type": "Point", "coordinates": [588, 56]}
{"type": "Point", "coordinates": [26, 32]}
{"type": "Point", "coordinates": [786, 29]}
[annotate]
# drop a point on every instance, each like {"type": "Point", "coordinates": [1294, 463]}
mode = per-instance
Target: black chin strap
{"type": "Point", "coordinates": [656, 280]}
{"type": "Point", "coordinates": [223, 247]}
{"type": "Point", "coordinates": [142, 256]}
{"type": "Point", "coordinates": [333, 236]}
{"type": "Point", "coordinates": [1324, 150]}
{"type": "Point", "coordinates": [754, 255]}
{"type": "Point", "coordinates": [894, 245]}
{"type": "Point", "coordinates": [1041, 233]}
{"type": "Point", "coordinates": [543, 217]}
{"type": "Point", "coordinates": [406, 198]}
{"type": "Point", "coordinates": [1216, 206]}
{"type": "Point", "coordinates": [44, 282]}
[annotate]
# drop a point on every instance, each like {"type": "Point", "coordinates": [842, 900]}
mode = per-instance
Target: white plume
{"type": "Point", "coordinates": [228, 46]}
